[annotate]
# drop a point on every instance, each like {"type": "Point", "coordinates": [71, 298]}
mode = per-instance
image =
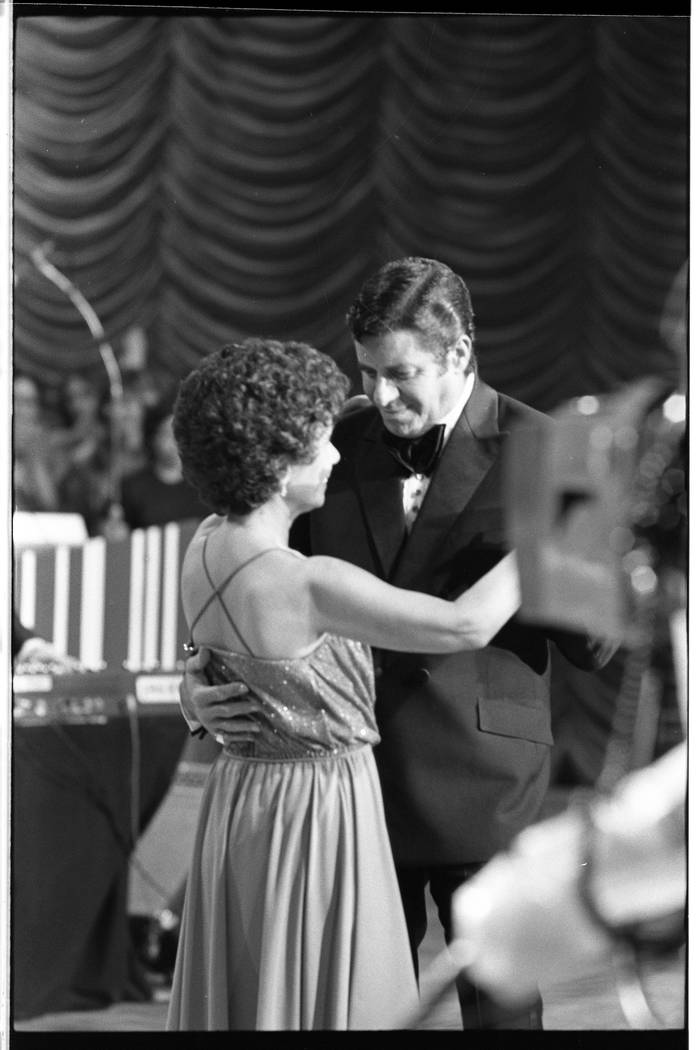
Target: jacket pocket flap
{"type": "Point", "coordinates": [509, 718]}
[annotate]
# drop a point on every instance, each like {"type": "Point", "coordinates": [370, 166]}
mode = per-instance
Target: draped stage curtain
{"type": "Point", "coordinates": [206, 178]}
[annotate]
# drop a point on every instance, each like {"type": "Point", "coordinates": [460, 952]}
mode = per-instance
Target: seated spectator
{"type": "Point", "coordinates": [34, 465]}
{"type": "Point", "coordinates": [153, 385]}
{"type": "Point", "coordinates": [89, 482]}
{"type": "Point", "coordinates": [87, 488]}
{"type": "Point", "coordinates": [158, 493]}
{"type": "Point", "coordinates": [127, 417]}
{"type": "Point", "coordinates": [86, 433]}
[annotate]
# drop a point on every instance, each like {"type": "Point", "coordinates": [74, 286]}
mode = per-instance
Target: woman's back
{"type": "Point", "coordinates": [246, 597]}
{"type": "Point", "coordinates": [316, 699]}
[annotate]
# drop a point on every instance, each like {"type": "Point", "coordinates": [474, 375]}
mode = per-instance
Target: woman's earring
{"type": "Point", "coordinates": [284, 483]}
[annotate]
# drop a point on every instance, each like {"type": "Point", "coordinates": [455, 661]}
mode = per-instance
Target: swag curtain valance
{"type": "Point", "coordinates": [205, 178]}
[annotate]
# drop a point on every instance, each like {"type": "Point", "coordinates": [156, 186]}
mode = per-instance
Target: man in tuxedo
{"type": "Point", "coordinates": [465, 737]}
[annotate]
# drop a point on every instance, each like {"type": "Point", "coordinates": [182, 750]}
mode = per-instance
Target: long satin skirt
{"type": "Point", "coordinates": [292, 918]}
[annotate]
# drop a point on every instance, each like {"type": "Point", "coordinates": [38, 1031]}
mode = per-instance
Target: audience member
{"type": "Point", "coordinates": [86, 489]}
{"type": "Point", "coordinates": [85, 433]}
{"type": "Point", "coordinates": [158, 493]}
{"type": "Point", "coordinates": [33, 461]}
{"type": "Point", "coordinates": [126, 418]}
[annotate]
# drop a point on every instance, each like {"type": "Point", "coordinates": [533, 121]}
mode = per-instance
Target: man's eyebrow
{"type": "Point", "coordinates": [398, 369]}
{"type": "Point", "coordinates": [390, 370]}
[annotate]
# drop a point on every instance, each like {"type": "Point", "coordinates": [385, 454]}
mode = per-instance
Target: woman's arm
{"type": "Point", "coordinates": [343, 599]}
{"type": "Point", "coordinates": [347, 600]}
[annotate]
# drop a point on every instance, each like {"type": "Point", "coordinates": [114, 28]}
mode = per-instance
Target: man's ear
{"type": "Point", "coordinates": [354, 404]}
{"type": "Point", "coordinates": [462, 353]}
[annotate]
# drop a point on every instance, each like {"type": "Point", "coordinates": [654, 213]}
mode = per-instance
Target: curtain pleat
{"type": "Point", "coordinates": [270, 203]}
{"type": "Point", "coordinates": [254, 169]}
{"type": "Point", "coordinates": [89, 128]}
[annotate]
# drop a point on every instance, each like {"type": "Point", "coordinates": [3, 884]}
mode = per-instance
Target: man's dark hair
{"type": "Point", "coordinates": [422, 295]}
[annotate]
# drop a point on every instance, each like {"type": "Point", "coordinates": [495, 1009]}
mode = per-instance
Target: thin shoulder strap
{"type": "Point", "coordinates": [217, 591]}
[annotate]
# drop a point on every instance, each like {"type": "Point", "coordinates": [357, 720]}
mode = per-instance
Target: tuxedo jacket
{"type": "Point", "coordinates": [465, 737]}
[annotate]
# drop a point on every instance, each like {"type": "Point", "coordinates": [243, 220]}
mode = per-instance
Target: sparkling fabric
{"type": "Point", "coordinates": [317, 705]}
{"type": "Point", "coordinates": [292, 917]}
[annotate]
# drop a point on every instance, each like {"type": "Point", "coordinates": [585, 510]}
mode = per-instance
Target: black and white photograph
{"type": "Point", "coordinates": [347, 372]}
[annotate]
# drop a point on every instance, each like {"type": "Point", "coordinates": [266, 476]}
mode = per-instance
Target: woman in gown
{"type": "Point", "coordinates": [292, 917]}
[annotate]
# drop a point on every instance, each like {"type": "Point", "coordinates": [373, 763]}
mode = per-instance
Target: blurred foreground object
{"type": "Point", "coordinates": [47, 529]}
{"type": "Point", "coordinates": [599, 883]}
{"type": "Point", "coordinates": [596, 504]}
{"type": "Point", "coordinates": [597, 501]}
{"type": "Point", "coordinates": [598, 515]}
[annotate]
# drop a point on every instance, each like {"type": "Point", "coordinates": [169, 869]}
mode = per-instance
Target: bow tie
{"type": "Point", "coordinates": [417, 455]}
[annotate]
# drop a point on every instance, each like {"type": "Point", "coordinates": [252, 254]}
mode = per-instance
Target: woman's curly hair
{"type": "Point", "coordinates": [249, 411]}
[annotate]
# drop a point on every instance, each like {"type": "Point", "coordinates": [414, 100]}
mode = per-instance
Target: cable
{"type": "Point", "coordinates": [135, 765]}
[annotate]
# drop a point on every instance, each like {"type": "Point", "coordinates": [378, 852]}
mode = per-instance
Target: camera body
{"type": "Point", "coordinates": [581, 488]}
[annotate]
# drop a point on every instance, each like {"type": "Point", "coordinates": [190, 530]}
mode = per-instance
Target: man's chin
{"type": "Point", "coordinates": [402, 427]}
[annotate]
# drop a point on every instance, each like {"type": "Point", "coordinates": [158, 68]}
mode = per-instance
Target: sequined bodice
{"type": "Point", "coordinates": [315, 705]}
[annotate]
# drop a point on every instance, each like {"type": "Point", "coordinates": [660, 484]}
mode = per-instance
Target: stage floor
{"type": "Point", "coordinates": [589, 1003]}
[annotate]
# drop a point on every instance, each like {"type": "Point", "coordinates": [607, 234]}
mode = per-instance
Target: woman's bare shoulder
{"type": "Point", "coordinates": [206, 527]}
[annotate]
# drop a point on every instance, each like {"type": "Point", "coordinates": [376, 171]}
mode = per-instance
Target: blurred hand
{"type": "Point", "coordinates": [603, 650]}
{"type": "Point", "coordinates": [521, 920]}
{"type": "Point", "coordinates": [224, 710]}
{"type": "Point", "coordinates": [40, 651]}
{"type": "Point", "coordinates": [518, 922]}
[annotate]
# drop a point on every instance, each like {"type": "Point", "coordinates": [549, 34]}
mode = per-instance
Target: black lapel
{"type": "Point", "coordinates": [381, 496]}
{"type": "Point", "coordinates": [468, 456]}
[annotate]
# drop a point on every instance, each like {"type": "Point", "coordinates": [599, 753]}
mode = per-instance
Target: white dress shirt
{"type": "Point", "coordinates": [416, 485]}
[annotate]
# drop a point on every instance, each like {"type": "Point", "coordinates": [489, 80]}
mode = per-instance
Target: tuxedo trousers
{"type": "Point", "coordinates": [478, 1009]}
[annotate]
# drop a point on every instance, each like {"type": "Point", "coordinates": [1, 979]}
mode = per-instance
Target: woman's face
{"type": "Point", "coordinates": [306, 482]}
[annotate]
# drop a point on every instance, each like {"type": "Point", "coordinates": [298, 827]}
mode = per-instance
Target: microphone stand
{"type": "Point", "coordinates": [39, 257]}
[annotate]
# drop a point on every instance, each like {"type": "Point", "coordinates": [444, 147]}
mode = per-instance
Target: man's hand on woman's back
{"type": "Point", "coordinates": [225, 710]}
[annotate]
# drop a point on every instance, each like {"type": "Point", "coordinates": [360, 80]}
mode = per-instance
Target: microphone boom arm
{"type": "Point", "coordinates": [109, 360]}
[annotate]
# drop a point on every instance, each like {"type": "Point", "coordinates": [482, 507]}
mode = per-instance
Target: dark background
{"type": "Point", "coordinates": [210, 177]}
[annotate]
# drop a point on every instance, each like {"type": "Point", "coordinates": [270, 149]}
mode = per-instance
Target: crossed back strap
{"type": "Point", "coordinates": [218, 591]}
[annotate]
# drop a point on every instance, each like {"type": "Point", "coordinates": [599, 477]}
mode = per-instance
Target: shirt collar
{"type": "Point", "coordinates": [450, 420]}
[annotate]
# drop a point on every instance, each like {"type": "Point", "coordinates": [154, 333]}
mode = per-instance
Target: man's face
{"type": "Point", "coordinates": [409, 386]}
